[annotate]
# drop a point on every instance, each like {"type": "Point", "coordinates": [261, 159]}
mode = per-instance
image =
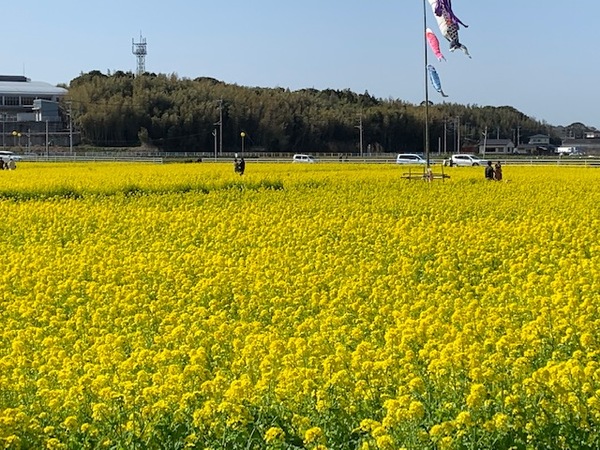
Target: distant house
{"type": "Point", "coordinates": [538, 144]}
{"type": "Point", "coordinates": [499, 146]}
{"type": "Point", "coordinates": [539, 139]}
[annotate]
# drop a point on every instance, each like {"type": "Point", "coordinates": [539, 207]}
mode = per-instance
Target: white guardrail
{"type": "Point", "coordinates": [523, 161]}
{"type": "Point", "coordinates": [84, 158]}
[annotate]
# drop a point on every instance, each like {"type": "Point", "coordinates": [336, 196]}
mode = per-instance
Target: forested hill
{"type": "Point", "coordinates": [178, 114]}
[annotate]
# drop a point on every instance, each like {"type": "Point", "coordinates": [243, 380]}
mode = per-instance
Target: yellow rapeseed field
{"type": "Point", "coordinates": [327, 306]}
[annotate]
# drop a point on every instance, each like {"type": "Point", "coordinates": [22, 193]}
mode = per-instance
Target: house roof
{"type": "Point", "coordinates": [496, 142]}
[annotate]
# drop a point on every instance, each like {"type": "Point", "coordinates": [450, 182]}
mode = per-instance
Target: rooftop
{"type": "Point", "coordinates": [19, 85]}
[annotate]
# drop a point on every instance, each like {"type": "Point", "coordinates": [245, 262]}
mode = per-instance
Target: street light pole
{"type": "Point", "coordinates": [243, 135]}
{"type": "Point", "coordinates": [16, 134]}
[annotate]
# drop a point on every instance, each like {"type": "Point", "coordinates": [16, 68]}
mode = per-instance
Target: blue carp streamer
{"type": "Point", "coordinates": [435, 79]}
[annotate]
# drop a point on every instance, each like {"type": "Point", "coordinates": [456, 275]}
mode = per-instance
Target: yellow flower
{"type": "Point", "coordinates": [476, 396]}
{"type": "Point", "coordinates": [274, 435]}
{"type": "Point", "coordinates": [417, 385]}
{"type": "Point", "coordinates": [191, 440]}
{"type": "Point", "coordinates": [367, 425]}
{"type": "Point", "coordinates": [70, 423]}
{"type": "Point", "coordinates": [12, 441]}
{"type": "Point", "coordinates": [446, 443]}
{"type": "Point", "coordinates": [464, 419]}
{"type": "Point", "coordinates": [500, 423]}
{"type": "Point", "coordinates": [313, 435]}
{"type": "Point", "coordinates": [416, 410]}
{"type": "Point", "coordinates": [385, 442]}
{"type": "Point", "coordinates": [436, 432]}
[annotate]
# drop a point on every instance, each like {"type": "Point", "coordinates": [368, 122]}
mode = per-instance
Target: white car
{"type": "Point", "coordinates": [464, 160]}
{"type": "Point", "coordinates": [9, 156]}
{"type": "Point", "coordinates": [409, 158]}
{"type": "Point", "coordinates": [304, 159]}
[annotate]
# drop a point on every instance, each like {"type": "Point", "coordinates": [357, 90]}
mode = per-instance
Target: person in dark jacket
{"type": "Point", "coordinates": [489, 171]}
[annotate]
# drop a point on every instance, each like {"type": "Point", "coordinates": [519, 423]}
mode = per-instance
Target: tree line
{"type": "Point", "coordinates": [180, 114]}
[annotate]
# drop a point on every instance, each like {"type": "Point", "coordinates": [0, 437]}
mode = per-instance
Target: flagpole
{"type": "Point", "coordinates": [426, 85]}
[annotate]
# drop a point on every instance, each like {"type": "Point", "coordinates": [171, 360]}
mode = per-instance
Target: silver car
{"type": "Point", "coordinates": [9, 156]}
{"type": "Point", "coordinates": [409, 158]}
{"type": "Point", "coordinates": [304, 159]}
{"type": "Point", "coordinates": [464, 160]}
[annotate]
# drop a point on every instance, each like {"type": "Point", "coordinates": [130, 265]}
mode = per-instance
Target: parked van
{"type": "Point", "coordinates": [304, 159]}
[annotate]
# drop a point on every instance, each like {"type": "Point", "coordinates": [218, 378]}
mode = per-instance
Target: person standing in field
{"type": "Point", "coordinates": [498, 171]}
{"type": "Point", "coordinates": [489, 171]}
{"type": "Point", "coordinates": [242, 166]}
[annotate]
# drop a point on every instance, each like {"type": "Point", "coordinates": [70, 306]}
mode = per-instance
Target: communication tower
{"type": "Point", "coordinates": [140, 50]}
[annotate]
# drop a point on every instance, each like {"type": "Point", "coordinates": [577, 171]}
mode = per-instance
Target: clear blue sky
{"type": "Point", "coordinates": [539, 57]}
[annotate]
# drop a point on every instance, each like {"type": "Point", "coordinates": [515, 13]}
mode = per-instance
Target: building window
{"type": "Point", "coordinates": [11, 101]}
{"type": "Point", "coordinates": [27, 101]}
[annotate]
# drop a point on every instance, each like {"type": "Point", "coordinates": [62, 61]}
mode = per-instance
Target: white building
{"type": "Point", "coordinates": [18, 93]}
{"type": "Point", "coordinates": [29, 110]}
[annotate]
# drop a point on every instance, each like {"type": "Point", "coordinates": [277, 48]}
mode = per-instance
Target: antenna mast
{"type": "Point", "coordinates": [140, 51]}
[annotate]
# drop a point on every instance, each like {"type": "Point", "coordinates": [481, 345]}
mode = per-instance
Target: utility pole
{"type": "Point", "coordinates": [214, 133]}
{"type": "Point", "coordinates": [485, 133]}
{"type": "Point", "coordinates": [220, 123]}
{"type": "Point", "coordinates": [360, 130]}
{"type": "Point", "coordinates": [458, 135]}
{"type": "Point", "coordinates": [70, 127]}
{"type": "Point", "coordinates": [445, 135]}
